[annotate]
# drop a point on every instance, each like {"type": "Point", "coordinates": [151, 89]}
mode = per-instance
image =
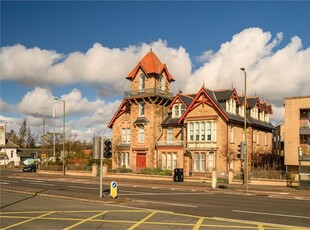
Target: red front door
{"type": "Point", "coordinates": [141, 161]}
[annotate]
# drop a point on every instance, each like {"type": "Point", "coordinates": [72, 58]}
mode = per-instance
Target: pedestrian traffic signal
{"type": "Point", "coordinates": [240, 152]}
{"type": "Point", "coordinates": [107, 149]}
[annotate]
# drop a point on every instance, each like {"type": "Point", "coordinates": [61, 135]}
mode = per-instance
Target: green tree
{"type": "Point", "coordinates": [30, 139]}
{"type": "Point", "coordinates": [23, 134]}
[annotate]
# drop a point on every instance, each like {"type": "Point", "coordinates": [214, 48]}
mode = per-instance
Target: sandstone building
{"type": "Point", "coordinates": [296, 130]}
{"type": "Point", "coordinates": [196, 131]}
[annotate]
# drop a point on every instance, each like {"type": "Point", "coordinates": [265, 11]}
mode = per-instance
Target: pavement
{"type": "Point", "coordinates": [236, 188]}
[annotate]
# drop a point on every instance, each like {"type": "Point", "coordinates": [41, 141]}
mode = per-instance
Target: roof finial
{"type": "Point", "coordinates": [232, 85]}
{"type": "Point", "coordinates": [203, 83]}
{"type": "Point", "coordinates": [151, 44]}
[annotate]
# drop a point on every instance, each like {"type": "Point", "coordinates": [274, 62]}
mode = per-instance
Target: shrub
{"type": "Point", "coordinates": [156, 171]}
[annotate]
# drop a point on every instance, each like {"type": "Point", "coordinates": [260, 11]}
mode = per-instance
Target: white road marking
{"type": "Point", "coordinates": [83, 187]}
{"type": "Point", "coordinates": [9, 181]}
{"type": "Point", "coordinates": [172, 204]}
{"type": "Point", "coordinates": [4, 182]}
{"type": "Point", "coordinates": [33, 181]}
{"type": "Point", "coordinates": [273, 214]}
{"type": "Point", "coordinates": [42, 184]}
{"type": "Point", "coordinates": [170, 194]}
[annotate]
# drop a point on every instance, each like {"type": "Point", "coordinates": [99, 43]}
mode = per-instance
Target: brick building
{"type": "Point", "coordinates": [197, 132]}
{"type": "Point", "coordinates": [296, 130]}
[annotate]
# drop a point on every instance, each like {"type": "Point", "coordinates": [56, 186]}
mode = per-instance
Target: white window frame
{"type": "Point", "coordinates": [141, 109]}
{"type": "Point", "coordinates": [211, 161]}
{"type": "Point", "coordinates": [124, 159]}
{"type": "Point", "coordinates": [164, 161]}
{"type": "Point", "coordinates": [204, 131]}
{"type": "Point", "coordinates": [141, 134]}
{"type": "Point", "coordinates": [170, 134]}
{"type": "Point", "coordinates": [142, 82]}
{"type": "Point", "coordinates": [257, 137]}
{"type": "Point", "coordinates": [199, 162]}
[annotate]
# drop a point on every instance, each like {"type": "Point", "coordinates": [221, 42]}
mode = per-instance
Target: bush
{"type": "Point", "coordinates": [156, 171]}
{"type": "Point", "coordinates": [121, 170]}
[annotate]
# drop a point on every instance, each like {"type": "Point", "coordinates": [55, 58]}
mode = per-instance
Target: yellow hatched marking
{"type": "Point", "coordinates": [141, 221]}
{"type": "Point", "coordinates": [198, 224]}
{"type": "Point", "coordinates": [260, 227]}
{"type": "Point", "coordinates": [85, 220]}
{"type": "Point", "coordinates": [26, 221]}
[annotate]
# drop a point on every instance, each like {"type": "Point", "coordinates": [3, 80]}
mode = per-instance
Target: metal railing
{"type": "Point", "coordinates": [304, 130]}
{"type": "Point", "coordinates": [148, 92]}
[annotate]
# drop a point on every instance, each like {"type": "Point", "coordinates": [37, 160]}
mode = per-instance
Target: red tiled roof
{"type": "Point", "coordinates": [149, 64]}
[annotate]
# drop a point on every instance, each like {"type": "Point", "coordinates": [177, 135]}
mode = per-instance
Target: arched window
{"type": "Point", "coordinates": [142, 82]}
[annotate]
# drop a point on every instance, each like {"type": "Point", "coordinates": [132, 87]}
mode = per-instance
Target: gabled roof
{"type": "Point", "coordinates": [226, 94]}
{"type": "Point", "coordinates": [9, 144]}
{"type": "Point", "coordinates": [186, 100]}
{"type": "Point", "coordinates": [209, 98]}
{"type": "Point", "coordinates": [150, 64]}
{"type": "Point", "coordinates": [121, 109]}
{"type": "Point", "coordinates": [252, 101]}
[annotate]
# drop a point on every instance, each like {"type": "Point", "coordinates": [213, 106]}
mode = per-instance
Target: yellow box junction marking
{"type": "Point", "coordinates": [26, 221]}
{"type": "Point", "coordinates": [83, 221]}
{"type": "Point", "coordinates": [142, 221]}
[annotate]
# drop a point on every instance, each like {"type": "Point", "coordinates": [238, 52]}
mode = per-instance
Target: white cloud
{"type": "Point", "coordinates": [5, 107]}
{"type": "Point", "coordinates": [101, 66]}
{"type": "Point", "coordinates": [272, 73]}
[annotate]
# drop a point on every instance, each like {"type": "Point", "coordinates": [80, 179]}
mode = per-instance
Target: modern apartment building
{"type": "Point", "coordinates": [296, 130]}
{"type": "Point", "coordinates": [198, 131]}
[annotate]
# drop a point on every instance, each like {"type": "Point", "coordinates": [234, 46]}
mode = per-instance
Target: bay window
{"type": "Point", "coordinates": [202, 131]}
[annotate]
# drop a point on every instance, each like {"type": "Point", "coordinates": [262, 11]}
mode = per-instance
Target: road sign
{"type": "Point", "coordinates": [113, 189]}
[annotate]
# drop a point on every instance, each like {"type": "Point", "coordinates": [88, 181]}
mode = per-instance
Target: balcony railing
{"type": "Point", "coordinates": [169, 143]}
{"type": "Point", "coordinates": [196, 145]}
{"type": "Point", "coordinates": [304, 130]}
{"type": "Point", "coordinates": [148, 92]}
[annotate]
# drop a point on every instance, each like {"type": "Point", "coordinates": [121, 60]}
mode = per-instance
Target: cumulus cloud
{"type": "Point", "coordinates": [272, 73]}
{"type": "Point", "coordinates": [100, 66]}
{"type": "Point", "coordinates": [81, 114]}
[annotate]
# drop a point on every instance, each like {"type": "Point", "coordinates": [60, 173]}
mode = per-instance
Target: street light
{"type": "Point", "coordinates": [244, 137]}
{"type": "Point", "coordinates": [64, 134]}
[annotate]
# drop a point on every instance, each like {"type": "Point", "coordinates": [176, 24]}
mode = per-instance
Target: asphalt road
{"type": "Point", "coordinates": [209, 204]}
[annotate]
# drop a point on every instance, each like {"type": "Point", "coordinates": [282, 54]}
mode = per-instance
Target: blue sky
{"type": "Point", "coordinates": [205, 41]}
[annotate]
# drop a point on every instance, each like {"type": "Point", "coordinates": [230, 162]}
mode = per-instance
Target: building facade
{"type": "Point", "coordinates": [296, 130]}
{"type": "Point", "coordinates": [198, 132]}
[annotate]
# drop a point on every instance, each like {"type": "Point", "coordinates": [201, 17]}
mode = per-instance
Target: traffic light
{"type": "Point", "coordinates": [240, 152]}
{"type": "Point", "coordinates": [107, 149]}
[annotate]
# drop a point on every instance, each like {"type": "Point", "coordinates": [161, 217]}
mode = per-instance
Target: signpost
{"type": "Point", "coordinates": [113, 189]}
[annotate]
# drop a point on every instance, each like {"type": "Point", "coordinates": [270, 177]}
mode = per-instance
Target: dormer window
{"type": "Point", "coordinates": [142, 82]}
{"type": "Point", "coordinates": [141, 109]}
{"type": "Point", "coordinates": [241, 110]}
{"type": "Point", "coordinates": [262, 115]}
{"type": "Point", "coordinates": [231, 106]}
{"type": "Point", "coordinates": [254, 112]}
{"type": "Point", "coordinates": [178, 110]}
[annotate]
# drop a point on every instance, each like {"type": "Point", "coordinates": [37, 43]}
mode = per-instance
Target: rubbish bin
{"type": "Point", "coordinates": [178, 175]}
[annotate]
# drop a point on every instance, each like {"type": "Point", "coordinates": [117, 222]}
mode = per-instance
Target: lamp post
{"type": "Point", "coordinates": [54, 148]}
{"type": "Point", "coordinates": [244, 137]}
{"type": "Point", "coordinates": [64, 134]}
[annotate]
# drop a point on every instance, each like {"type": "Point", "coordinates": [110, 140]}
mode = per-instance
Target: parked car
{"type": "Point", "coordinates": [30, 168]}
